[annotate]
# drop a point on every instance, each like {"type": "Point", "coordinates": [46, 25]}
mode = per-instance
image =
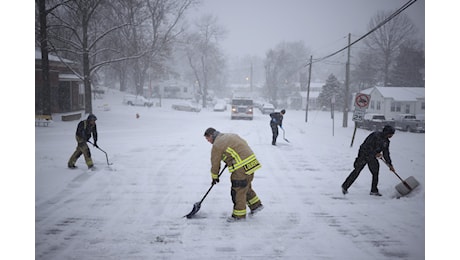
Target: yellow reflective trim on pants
{"type": "Point", "coordinates": [239, 213]}
{"type": "Point", "coordinates": [214, 176]}
{"type": "Point", "coordinates": [253, 201]}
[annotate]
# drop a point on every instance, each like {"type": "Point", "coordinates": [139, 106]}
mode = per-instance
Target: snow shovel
{"type": "Point", "coordinates": [284, 135]}
{"type": "Point", "coordinates": [106, 157]}
{"type": "Point", "coordinates": [406, 186]}
{"type": "Point", "coordinates": [197, 205]}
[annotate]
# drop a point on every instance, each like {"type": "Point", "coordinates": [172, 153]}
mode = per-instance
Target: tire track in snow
{"type": "Point", "coordinates": [99, 202]}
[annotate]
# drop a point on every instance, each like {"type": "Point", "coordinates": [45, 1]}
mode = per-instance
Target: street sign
{"type": "Point", "coordinates": [358, 114]}
{"type": "Point", "coordinates": [362, 100]}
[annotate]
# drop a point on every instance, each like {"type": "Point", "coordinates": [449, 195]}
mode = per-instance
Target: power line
{"type": "Point", "coordinates": [404, 7]}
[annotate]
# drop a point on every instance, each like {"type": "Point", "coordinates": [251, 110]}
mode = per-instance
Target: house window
{"type": "Point", "coordinates": [378, 105]}
{"type": "Point", "coordinates": [372, 104]}
{"type": "Point", "coordinates": [407, 109]}
{"type": "Point", "coordinates": [185, 89]}
{"type": "Point", "coordinates": [395, 107]}
{"type": "Point", "coordinates": [423, 105]}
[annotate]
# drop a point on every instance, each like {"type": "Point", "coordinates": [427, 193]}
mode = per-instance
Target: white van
{"type": "Point", "coordinates": [242, 108]}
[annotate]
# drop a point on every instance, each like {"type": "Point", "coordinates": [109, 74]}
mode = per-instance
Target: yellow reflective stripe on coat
{"type": "Point", "coordinates": [239, 213]}
{"type": "Point", "coordinates": [250, 164]}
{"type": "Point", "coordinates": [214, 176]}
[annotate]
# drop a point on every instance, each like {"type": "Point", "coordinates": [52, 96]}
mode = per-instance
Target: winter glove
{"type": "Point", "coordinates": [214, 181]}
{"type": "Point", "coordinates": [95, 144]}
{"type": "Point", "coordinates": [392, 168]}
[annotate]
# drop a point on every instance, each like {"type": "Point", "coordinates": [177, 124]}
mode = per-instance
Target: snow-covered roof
{"type": "Point", "coordinates": [51, 57]}
{"type": "Point", "coordinates": [69, 77]}
{"type": "Point", "coordinates": [313, 94]}
{"type": "Point", "coordinates": [398, 93]}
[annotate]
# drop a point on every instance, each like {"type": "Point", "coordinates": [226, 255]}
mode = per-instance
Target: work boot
{"type": "Point", "coordinates": [71, 166]}
{"type": "Point", "coordinates": [375, 193]}
{"type": "Point", "coordinates": [258, 209]}
{"type": "Point", "coordinates": [232, 219]}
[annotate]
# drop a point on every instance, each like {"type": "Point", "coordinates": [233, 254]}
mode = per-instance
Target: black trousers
{"type": "Point", "coordinates": [274, 132]}
{"type": "Point", "coordinates": [360, 162]}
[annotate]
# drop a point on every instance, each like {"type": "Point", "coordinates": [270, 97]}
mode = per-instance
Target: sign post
{"type": "Point", "coordinates": [361, 104]}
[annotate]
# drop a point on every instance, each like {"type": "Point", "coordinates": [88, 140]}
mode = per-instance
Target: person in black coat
{"type": "Point", "coordinates": [275, 121]}
{"type": "Point", "coordinates": [370, 150]}
{"type": "Point", "coordinates": [85, 129]}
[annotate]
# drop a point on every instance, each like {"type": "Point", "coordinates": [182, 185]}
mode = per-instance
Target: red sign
{"type": "Point", "coordinates": [362, 100]}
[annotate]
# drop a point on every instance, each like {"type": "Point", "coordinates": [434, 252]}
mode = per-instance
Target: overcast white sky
{"type": "Point", "coordinates": [254, 26]}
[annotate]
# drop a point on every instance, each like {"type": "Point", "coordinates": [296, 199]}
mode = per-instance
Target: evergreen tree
{"type": "Point", "coordinates": [332, 88]}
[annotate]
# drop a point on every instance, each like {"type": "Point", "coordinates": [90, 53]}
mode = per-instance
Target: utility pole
{"type": "Point", "coordinates": [308, 89]}
{"type": "Point", "coordinates": [250, 79]}
{"type": "Point", "coordinates": [347, 85]}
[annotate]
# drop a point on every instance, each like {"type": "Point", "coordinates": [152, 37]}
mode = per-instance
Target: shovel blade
{"type": "Point", "coordinates": [196, 208]}
{"type": "Point", "coordinates": [407, 186]}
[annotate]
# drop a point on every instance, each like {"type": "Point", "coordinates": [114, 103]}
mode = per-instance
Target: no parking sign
{"type": "Point", "coordinates": [361, 103]}
{"type": "Point", "coordinates": [362, 100]}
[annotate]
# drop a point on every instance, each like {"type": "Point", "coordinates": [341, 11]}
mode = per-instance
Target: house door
{"type": "Point", "coordinates": [64, 96]}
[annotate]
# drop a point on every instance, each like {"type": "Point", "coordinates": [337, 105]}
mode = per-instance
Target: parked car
{"type": "Point", "coordinates": [374, 122]}
{"type": "Point", "coordinates": [186, 106]}
{"type": "Point", "coordinates": [133, 100]}
{"type": "Point", "coordinates": [267, 108]}
{"type": "Point", "coordinates": [220, 106]}
{"type": "Point", "coordinates": [408, 122]}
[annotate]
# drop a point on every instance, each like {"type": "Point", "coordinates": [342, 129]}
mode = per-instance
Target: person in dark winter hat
{"type": "Point", "coordinates": [370, 150]}
{"type": "Point", "coordinates": [85, 129]}
{"type": "Point", "coordinates": [242, 163]}
{"type": "Point", "coordinates": [275, 121]}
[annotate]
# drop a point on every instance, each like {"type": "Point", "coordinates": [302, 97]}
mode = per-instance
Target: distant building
{"type": "Point", "coordinates": [391, 101]}
{"type": "Point", "coordinates": [67, 91]}
{"type": "Point", "coordinates": [299, 100]}
{"type": "Point", "coordinates": [171, 89]}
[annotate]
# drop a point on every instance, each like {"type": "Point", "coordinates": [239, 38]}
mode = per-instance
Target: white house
{"type": "Point", "coordinates": [315, 90]}
{"type": "Point", "coordinates": [171, 89]}
{"type": "Point", "coordinates": [392, 101]}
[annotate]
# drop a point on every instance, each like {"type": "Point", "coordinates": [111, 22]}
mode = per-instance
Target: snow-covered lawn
{"type": "Point", "coordinates": [134, 208]}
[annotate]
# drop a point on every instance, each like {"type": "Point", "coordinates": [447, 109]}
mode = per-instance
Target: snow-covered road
{"type": "Point", "coordinates": [134, 208]}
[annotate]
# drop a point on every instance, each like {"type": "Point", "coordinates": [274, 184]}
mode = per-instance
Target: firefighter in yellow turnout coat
{"type": "Point", "coordinates": [242, 163]}
{"type": "Point", "coordinates": [85, 129]}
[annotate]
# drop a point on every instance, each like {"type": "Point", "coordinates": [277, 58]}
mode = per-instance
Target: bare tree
{"type": "Point", "coordinates": [409, 66]}
{"type": "Point", "coordinates": [78, 30]}
{"type": "Point", "coordinates": [203, 53]}
{"type": "Point", "coordinates": [284, 66]}
{"type": "Point", "coordinates": [387, 39]}
{"type": "Point", "coordinates": [153, 28]}
{"type": "Point", "coordinates": [364, 74]}
{"type": "Point", "coordinates": [88, 29]}
{"type": "Point", "coordinates": [44, 98]}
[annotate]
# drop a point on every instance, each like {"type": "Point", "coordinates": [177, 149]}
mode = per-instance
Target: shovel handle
{"type": "Point", "coordinates": [212, 185]}
{"type": "Point", "coordinates": [391, 169]}
{"type": "Point", "coordinates": [106, 156]}
{"type": "Point", "coordinates": [403, 181]}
